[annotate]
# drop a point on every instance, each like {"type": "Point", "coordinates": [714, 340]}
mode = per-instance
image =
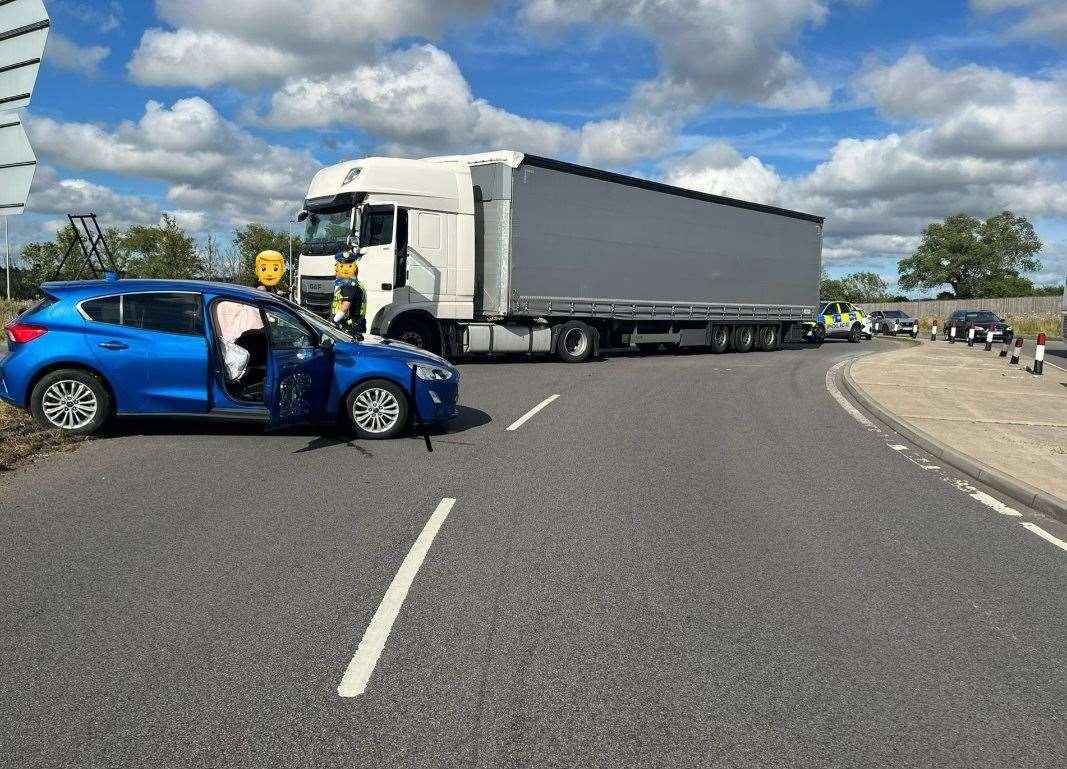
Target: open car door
{"type": "Point", "coordinates": [299, 370]}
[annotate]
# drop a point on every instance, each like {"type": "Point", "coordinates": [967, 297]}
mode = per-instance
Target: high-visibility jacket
{"type": "Point", "coordinates": [338, 299]}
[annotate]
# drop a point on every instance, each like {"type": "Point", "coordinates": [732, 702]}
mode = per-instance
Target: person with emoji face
{"type": "Point", "coordinates": [349, 297]}
{"type": "Point", "coordinates": [270, 267]}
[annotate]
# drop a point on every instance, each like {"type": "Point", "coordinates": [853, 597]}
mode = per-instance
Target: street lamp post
{"type": "Point", "coordinates": [7, 258]}
{"type": "Point", "coordinates": [289, 267]}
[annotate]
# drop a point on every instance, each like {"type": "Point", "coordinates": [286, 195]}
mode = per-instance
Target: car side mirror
{"type": "Point", "coordinates": [325, 342]}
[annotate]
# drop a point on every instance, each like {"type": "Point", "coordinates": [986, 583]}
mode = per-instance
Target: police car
{"type": "Point", "coordinates": [838, 320]}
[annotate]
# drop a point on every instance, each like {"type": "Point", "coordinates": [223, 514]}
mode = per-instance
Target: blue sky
{"type": "Point", "coordinates": [881, 116]}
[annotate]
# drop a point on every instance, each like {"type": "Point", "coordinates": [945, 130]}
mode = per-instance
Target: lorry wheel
{"type": "Point", "coordinates": [575, 342]}
{"type": "Point", "coordinates": [767, 338]}
{"type": "Point", "coordinates": [854, 333]}
{"type": "Point", "coordinates": [720, 339]}
{"type": "Point", "coordinates": [71, 400]}
{"type": "Point", "coordinates": [744, 338]}
{"type": "Point", "coordinates": [415, 332]}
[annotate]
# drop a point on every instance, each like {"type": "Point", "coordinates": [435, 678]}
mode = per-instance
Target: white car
{"type": "Point", "coordinates": [867, 332]}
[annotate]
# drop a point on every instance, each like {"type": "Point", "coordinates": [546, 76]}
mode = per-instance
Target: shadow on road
{"type": "Point", "coordinates": [322, 436]}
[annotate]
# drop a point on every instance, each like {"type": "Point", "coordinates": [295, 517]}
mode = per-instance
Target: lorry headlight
{"type": "Point", "coordinates": [432, 374]}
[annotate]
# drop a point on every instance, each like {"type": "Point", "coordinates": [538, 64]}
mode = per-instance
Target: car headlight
{"type": "Point", "coordinates": [432, 373]}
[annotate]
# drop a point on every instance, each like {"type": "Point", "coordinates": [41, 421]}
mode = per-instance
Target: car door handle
{"type": "Point", "coordinates": [387, 286]}
{"type": "Point", "coordinates": [114, 346]}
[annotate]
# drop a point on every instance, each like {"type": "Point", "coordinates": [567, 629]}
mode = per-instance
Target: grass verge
{"type": "Point", "coordinates": [22, 440]}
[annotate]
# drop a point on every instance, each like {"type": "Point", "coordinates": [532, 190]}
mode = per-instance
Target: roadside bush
{"type": "Point", "coordinates": [8, 311]}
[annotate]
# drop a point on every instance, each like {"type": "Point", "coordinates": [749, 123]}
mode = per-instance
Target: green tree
{"type": "Point", "coordinates": [1051, 289]}
{"type": "Point", "coordinates": [249, 241]}
{"type": "Point", "coordinates": [976, 258]}
{"type": "Point", "coordinates": [161, 251]}
{"type": "Point", "coordinates": [856, 287]}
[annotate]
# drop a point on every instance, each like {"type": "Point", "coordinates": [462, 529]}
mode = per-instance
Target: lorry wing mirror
{"type": "Point", "coordinates": [302, 216]}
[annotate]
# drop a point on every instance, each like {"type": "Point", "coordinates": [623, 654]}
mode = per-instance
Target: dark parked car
{"type": "Point", "coordinates": [894, 322]}
{"type": "Point", "coordinates": [982, 320]}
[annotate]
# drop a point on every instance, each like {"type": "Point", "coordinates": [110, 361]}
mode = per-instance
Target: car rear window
{"type": "Point", "coordinates": [43, 303]}
{"type": "Point", "coordinates": [106, 309]}
{"type": "Point", "coordinates": [172, 313]}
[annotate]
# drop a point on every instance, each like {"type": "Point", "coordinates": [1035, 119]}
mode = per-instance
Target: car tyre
{"type": "Point", "coordinates": [818, 335]}
{"type": "Point", "coordinates": [416, 332]}
{"type": "Point", "coordinates": [854, 333]}
{"type": "Point", "coordinates": [74, 401]}
{"type": "Point", "coordinates": [575, 342]}
{"type": "Point", "coordinates": [377, 409]}
{"type": "Point", "coordinates": [744, 338]}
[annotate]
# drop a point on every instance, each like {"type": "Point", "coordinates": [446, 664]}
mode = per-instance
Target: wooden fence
{"type": "Point", "coordinates": [942, 308]}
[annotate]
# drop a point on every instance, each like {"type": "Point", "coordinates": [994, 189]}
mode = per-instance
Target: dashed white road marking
{"type": "Point", "coordinates": [526, 417]}
{"type": "Point", "coordinates": [921, 460]}
{"type": "Point", "coordinates": [1043, 534]}
{"type": "Point", "coordinates": [359, 670]}
{"type": "Point", "coordinates": [995, 504]}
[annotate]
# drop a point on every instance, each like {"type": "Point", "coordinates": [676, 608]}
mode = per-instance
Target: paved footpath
{"type": "Point", "coordinates": [973, 401]}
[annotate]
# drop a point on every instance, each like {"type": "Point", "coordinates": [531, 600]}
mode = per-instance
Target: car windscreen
{"type": "Point", "coordinates": [895, 314]}
{"type": "Point", "coordinates": [983, 317]}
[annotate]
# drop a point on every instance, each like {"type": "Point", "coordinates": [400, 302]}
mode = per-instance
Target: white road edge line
{"type": "Point", "coordinates": [357, 674]}
{"type": "Point", "coordinates": [994, 504]}
{"type": "Point", "coordinates": [526, 417]}
{"type": "Point", "coordinates": [1043, 534]}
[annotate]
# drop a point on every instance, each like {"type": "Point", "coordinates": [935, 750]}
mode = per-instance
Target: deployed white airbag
{"type": "Point", "coordinates": [236, 359]}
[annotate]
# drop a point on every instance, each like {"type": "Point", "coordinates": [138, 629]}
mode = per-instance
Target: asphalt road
{"type": "Point", "coordinates": [686, 560]}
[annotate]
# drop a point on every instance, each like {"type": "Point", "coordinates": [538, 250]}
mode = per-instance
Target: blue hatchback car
{"type": "Point", "coordinates": [93, 349]}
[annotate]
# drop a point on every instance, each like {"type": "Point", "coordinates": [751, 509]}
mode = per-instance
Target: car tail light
{"type": "Point", "coordinates": [20, 333]}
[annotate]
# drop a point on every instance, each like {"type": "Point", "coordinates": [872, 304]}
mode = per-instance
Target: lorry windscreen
{"type": "Point", "coordinates": [328, 226]}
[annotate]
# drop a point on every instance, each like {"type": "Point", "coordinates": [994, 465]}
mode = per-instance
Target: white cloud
{"type": "Point", "coordinates": [1040, 18]}
{"type": "Point", "coordinates": [878, 194]}
{"type": "Point", "coordinates": [63, 53]}
{"type": "Point", "coordinates": [206, 58]}
{"type": "Point", "coordinates": [210, 164]}
{"type": "Point", "coordinates": [719, 169]}
{"type": "Point", "coordinates": [253, 42]}
{"type": "Point", "coordinates": [413, 101]}
{"type": "Point", "coordinates": [52, 194]}
{"type": "Point", "coordinates": [709, 48]}
{"type": "Point", "coordinates": [976, 110]}
{"type": "Point", "coordinates": [617, 142]}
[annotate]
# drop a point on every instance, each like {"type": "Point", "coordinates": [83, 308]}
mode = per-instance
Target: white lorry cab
{"type": "Point", "coordinates": [513, 253]}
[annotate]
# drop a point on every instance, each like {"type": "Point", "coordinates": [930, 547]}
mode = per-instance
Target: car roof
{"type": "Point", "coordinates": [86, 288]}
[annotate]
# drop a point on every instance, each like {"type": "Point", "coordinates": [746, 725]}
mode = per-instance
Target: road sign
{"type": "Point", "coordinates": [23, 33]}
{"type": "Point", "coordinates": [17, 166]}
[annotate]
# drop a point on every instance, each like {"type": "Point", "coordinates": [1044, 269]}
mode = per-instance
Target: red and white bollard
{"type": "Point", "coordinates": [933, 331]}
{"type": "Point", "coordinates": [1039, 354]}
{"type": "Point", "coordinates": [988, 339]}
{"type": "Point", "coordinates": [952, 335]}
{"type": "Point", "coordinates": [1015, 352]}
{"type": "Point", "coordinates": [970, 336]}
{"type": "Point", "coordinates": [1004, 349]}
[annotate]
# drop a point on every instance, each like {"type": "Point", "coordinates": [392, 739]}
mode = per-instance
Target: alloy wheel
{"type": "Point", "coordinates": [69, 404]}
{"type": "Point", "coordinates": [375, 410]}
